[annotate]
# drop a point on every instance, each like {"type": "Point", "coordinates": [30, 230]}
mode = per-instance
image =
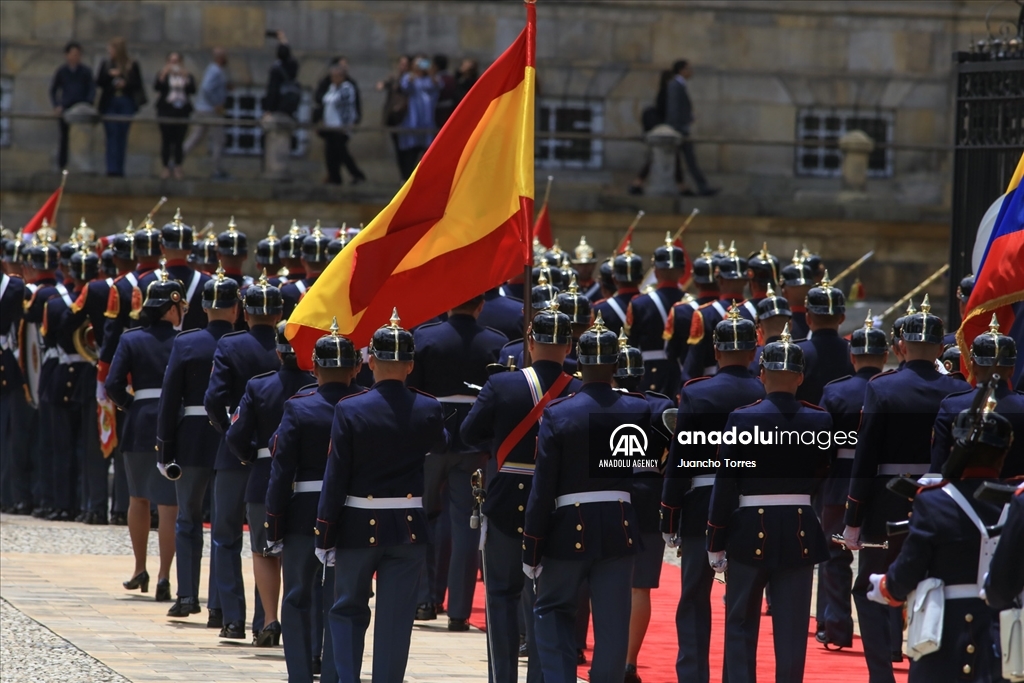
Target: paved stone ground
{"type": "Point", "coordinates": [66, 618]}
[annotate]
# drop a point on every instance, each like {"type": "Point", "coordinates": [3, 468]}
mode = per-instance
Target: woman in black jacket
{"type": "Point", "coordinates": [120, 81]}
{"type": "Point", "coordinates": [174, 86]}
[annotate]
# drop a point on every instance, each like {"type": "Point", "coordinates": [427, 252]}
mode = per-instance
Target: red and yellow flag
{"type": "Point", "coordinates": [458, 227]}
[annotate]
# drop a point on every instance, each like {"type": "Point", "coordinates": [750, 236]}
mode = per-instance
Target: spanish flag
{"type": "Point", "coordinates": [999, 282]}
{"type": "Point", "coordinates": [458, 227]}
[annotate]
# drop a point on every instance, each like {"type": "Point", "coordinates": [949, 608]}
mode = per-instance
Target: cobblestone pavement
{"type": "Point", "coordinates": [66, 613]}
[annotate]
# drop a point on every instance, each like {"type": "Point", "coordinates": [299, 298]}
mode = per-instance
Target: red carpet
{"type": "Point", "coordinates": [657, 657]}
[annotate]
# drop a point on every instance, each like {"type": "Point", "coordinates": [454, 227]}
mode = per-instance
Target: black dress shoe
{"type": "Point", "coordinates": [426, 612]}
{"type": "Point", "coordinates": [214, 618]}
{"type": "Point", "coordinates": [457, 624]}
{"type": "Point", "coordinates": [60, 516]}
{"type": "Point", "coordinates": [631, 675]}
{"type": "Point", "coordinates": [234, 630]}
{"type": "Point", "coordinates": [97, 519]}
{"type": "Point", "coordinates": [270, 635]}
{"type": "Point", "coordinates": [22, 509]}
{"type": "Point", "coordinates": [317, 666]}
{"type": "Point", "coordinates": [42, 513]}
{"type": "Point", "coordinates": [183, 607]}
{"type": "Point", "coordinates": [897, 656]}
{"type": "Point", "coordinates": [140, 580]}
{"type": "Point", "coordinates": [439, 608]}
{"type": "Point", "coordinates": [163, 590]}
{"type": "Point", "coordinates": [154, 520]}
{"type": "Point", "coordinates": [119, 519]}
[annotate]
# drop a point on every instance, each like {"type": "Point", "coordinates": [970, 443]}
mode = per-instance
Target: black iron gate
{"type": "Point", "coordinates": [989, 139]}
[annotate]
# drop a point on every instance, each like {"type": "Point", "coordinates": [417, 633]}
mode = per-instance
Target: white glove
{"type": "Point", "coordinates": [670, 540]}
{"type": "Point", "coordinates": [718, 561]}
{"type": "Point", "coordinates": [875, 594]}
{"type": "Point", "coordinates": [163, 469]}
{"type": "Point", "coordinates": [274, 549]}
{"type": "Point", "coordinates": [851, 537]}
{"type": "Point", "coordinates": [532, 572]}
{"type": "Point", "coordinates": [929, 479]}
{"type": "Point", "coordinates": [326, 556]}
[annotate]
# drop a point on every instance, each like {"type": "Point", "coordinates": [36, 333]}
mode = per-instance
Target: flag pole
{"type": "Point", "coordinates": [152, 212]}
{"type": "Point", "coordinates": [547, 191]}
{"type": "Point", "coordinates": [853, 267]}
{"type": "Point", "coordinates": [927, 281]}
{"type": "Point", "coordinates": [56, 208]}
{"type": "Point", "coordinates": [629, 232]}
{"type": "Point", "coordinates": [679, 233]}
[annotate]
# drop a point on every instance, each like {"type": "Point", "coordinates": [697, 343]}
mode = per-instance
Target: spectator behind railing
{"type": "Point", "coordinates": [396, 102]}
{"type": "Point", "coordinates": [122, 93]}
{"type": "Point", "coordinates": [72, 83]}
{"type": "Point", "coordinates": [284, 94]}
{"type": "Point", "coordinates": [174, 86]}
{"type": "Point", "coordinates": [340, 110]}
{"type": "Point", "coordinates": [422, 86]}
{"type": "Point", "coordinates": [446, 95]}
{"type": "Point", "coordinates": [213, 94]}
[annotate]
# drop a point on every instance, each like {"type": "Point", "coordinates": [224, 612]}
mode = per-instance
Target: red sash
{"type": "Point", "coordinates": [517, 434]}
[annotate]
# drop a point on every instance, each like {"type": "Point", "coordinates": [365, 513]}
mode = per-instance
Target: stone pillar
{"type": "Point", "coordinates": [856, 147]}
{"type": "Point", "coordinates": [81, 119]}
{"type": "Point", "coordinates": [663, 140]}
{"type": "Point", "coordinates": [277, 145]}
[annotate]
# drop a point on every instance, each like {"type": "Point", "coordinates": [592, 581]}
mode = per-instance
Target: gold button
{"type": "Point", "coordinates": [967, 668]}
{"type": "Point", "coordinates": [66, 399]}
{"type": "Point", "coordinates": [316, 531]}
{"type": "Point", "coordinates": [409, 517]}
{"type": "Point", "coordinates": [799, 511]}
{"type": "Point", "coordinates": [577, 504]}
{"type": "Point", "coordinates": [69, 384]}
{"type": "Point", "coordinates": [757, 551]}
{"type": "Point", "coordinates": [625, 522]}
{"type": "Point", "coordinates": [760, 511]}
{"type": "Point", "coordinates": [408, 495]}
{"type": "Point", "coordinates": [520, 486]}
{"type": "Point", "coordinates": [805, 551]}
{"type": "Point", "coordinates": [70, 369]}
{"type": "Point", "coordinates": [909, 515]}
{"type": "Point", "coordinates": [372, 539]}
{"type": "Point", "coordinates": [266, 525]}
{"type": "Point", "coordinates": [969, 618]}
{"type": "Point", "coordinates": [369, 498]}
{"type": "Point", "coordinates": [520, 508]}
{"type": "Point", "coordinates": [524, 546]}
{"type": "Point", "coordinates": [579, 527]}
{"type": "Point", "coordinates": [372, 522]}
{"type": "Point", "coordinates": [578, 546]}
{"type": "Point", "coordinates": [802, 533]}
{"type": "Point", "coordinates": [970, 649]}
{"type": "Point", "coordinates": [652, 386]}
{"type": "Point", "coordinates": [620, 500]}
{"type": "Point", "coordinates": [520, 530]}
{"type": "Point", "coordinates": [629, 541]}
{"type": "Point", "coordinates": [413, 536]}
{"type": "Point", "coordinates": [653, 370]}
{"type": "Point", "coordinates": [760, 534]}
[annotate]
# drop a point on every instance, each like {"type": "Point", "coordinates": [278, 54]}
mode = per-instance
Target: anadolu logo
{"type": "Point", "coordinates": [628, 441]}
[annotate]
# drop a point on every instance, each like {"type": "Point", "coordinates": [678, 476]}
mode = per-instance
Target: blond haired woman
{"type": "Point", "coordinates": [122, 94]}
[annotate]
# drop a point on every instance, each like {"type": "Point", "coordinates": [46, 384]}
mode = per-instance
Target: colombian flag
{"type": "Point", "coordinates": [458, 227]}
{"type": "Point", "coordinates": [999, 282]}
{"type": "Point", "coordinates": [45, 215]}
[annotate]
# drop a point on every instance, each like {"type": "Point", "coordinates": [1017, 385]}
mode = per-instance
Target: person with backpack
{"type": "Point", "coordinates": [284, 94]}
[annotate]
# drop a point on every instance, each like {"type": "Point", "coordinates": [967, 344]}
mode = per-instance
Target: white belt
{"type": "Point", "coordinates": [308, 486]}
{"type": "Point", "coordinates": [49, 354]}
{"type": "Point", "coordinates": [703, 480]}
{"type": "Point", "coordinates": [961, 591]}
{"type": "Point", "coordinates": [195, 411]}
{"type": "Point", "coordinates": [592, 497]}
{"type": "Point", "coordinates": [656, 354]}
{"type": "Point", "coordinates": [711, 370]}
{"type": "Point", "coordinates": [845, 453]}
{"type": "Point", "coordinates": [774, 500]}
{"type": "Point", "coordinates": [903, 468]}
{"type": "Point", "coordinates": [383, 503]}
{"type": "Point", "coordinates": [523, 468]}
{"type": "Point", "coordinates": [3, 341]}
{"type": "Point", "coordinates": [69, 358]}
{"type": "Point", "coordinates": [457, 398]}
{"type": "Point", "coordinates": [262, 453]}
{"type": "Point", "coordinates": [143, 394]}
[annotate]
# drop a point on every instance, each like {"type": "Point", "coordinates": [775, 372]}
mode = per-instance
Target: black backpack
{"type": "Point", "coordinates": [289, 95]}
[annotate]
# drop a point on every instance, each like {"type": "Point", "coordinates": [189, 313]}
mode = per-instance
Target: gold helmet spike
{"type": "Point", "coordinates": [395, 321]}
{"type": "Point", "coordinates": [263, 281]}
{"type": "Point", "coordinates": [825, 282]}
{"type": "Point", "coordinates": [129, 229]}
{"type": "Point", "coordinates": [993, 326]}
{"type": "Point", "coordinates": [785, 338]}
{"type": "Point", "coordinates": [231, 225]}
{"type": "Point", "coordinates": [574, 288]}
{"type": "Point", "coordinates": [272, 234]}
{"type": "Point", "coordinates": [541, 279]}
{"type": "Point", "coordinates": [557, 249]}
{"type": "Point", "coordinates": [668, 239]}
{"type": "Point", "coordinates": [219, 273]}
{"type": "Point", "coordinates": [163, 269]}
{"type": "Point", "coordinates": [721, 246]}
{"type": "Point", "coordinates": [803, 250]}
{"type": "Point", "coordinates": [623, 339]}
{"type": "Point", "coordinates": [770, 293]}
{"type": "Point", "coordinates": [869, 322]}
{"type": "Point", "coordinates": [796, 257]}
{"type": "Point", "coordinates": [177, 215]}
{"type": "Point", "coordinates": [732, 249]}
{"type": "Point", "coordinates": [764, 252]}
{"type": "Point", "coordinates": [598, 323]}
{"type": "Point", "coordinates": [925, 306]}
{"type": "Point", "coordinates": [544, 263]}
{"type": "Point", "coordinates": [910, 307]}
{"type": "Point", "coordinates": [295, 229]}
{"type": "Point", "coordinates": [316, 229]}
{"type": "Point", "coordinates": [629, 249]}
{"type": "Point", "coordinates": [734, 311]}
{"type": "Point", "coordinates": [334, 326]}
{"type": "Point", "coordinates": [706, 254]}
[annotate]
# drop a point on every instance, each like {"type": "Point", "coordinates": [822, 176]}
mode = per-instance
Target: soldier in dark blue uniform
{"type": "Point", "coordinates": [647, 316]}
{"type": "Point", "coordinates": [143, 353]}
{"type": "Point", "coordinates": [731, 277]}
{"type": "Point", "coordinates": [187, 439]}
{"type": "Point", "coordinates": [986, 350]}
{"type": "Point", "coordinates": [773, 316]}
{"type": "Point", "coordinates": [505, 418]}
{"type": "Point", "coordinates": [581, 525]}
{"type": "Point", "coordinates": [761, 522]}
{"type": "Point", "coordinates": [232, 250]}
{"type": "Point", "coordinates": [290, 251]}
{"type": "Point", "coordinates": [314, 260]}
{"type": "Point", "coordinates": [585, 263]}
{"type": "Point", "coordinates": [843, 398]}
{"type": "Point", "coordinates": [502, 313]}
{"type": "Point", "coordinates": [963, 293]}
{"type": "Point", "coordinates": [948, 541]}
{"type": "Point", "coordinates": [72, 395]}
{"type": "Point", "coordinates": [249, 438]}
{"type": "Point", "coordinates": [1005, 580]}
{"type": "Point", "coordinates": [40, 286]}
{"type": "Point", "coordinates": [826, 354]}
{"type": "Point", "coordinates": [763, 273]}
{"type": "Point", "coordinates": [449, 355]}
{"type": "Point", "coordinates": [299, 449]}
{"type": "Point", "coordinates": [550, 270]}
{"type": "Point", "coordinates": [894, 436]}
{"type": "Point", "coordinates": [677, 328]}
{"type": "Point", "coordinates": [704, 406]}
{"type": "Point", "coordinates": [797, 280]}
{"type": "Point", "coordinates": [605, 280]}
{"type": "Point", "coordinates": [627, 273]}
{"type": "Point", "coordinates": [239, 357]}
{"type": "Point", "coordinates": [335, 246]}
{"type": "Point", "coordinates": [176, 239]}
{"type": "Point", "coordinates": [268, 257]}
{"type": "Point", "coordinates": [204, 254]}
{"type": "Point", "coordinates": [15, 411]}
{"type": "Point", "coordinates": [370, 518]}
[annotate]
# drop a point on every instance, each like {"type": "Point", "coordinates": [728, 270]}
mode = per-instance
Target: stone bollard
{"type": "Point", "coordinates": [856, 147]}
{"type": "Point", "coordinates": [81, 119]}
{"type": "Point", "coordinates": [663, 140]}
{"type": "Point", "coordinates": [277, 145]}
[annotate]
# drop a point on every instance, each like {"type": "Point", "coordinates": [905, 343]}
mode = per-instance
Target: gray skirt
{"type": "Point", "coordinates": [145, 480]}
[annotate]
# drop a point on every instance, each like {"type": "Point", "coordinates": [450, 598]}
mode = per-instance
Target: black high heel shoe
{"type": "Point", "coordinates": [270, 635]}
{"type": "Point", "coordinates": [163, 590]}
{"type": "Point", "coordinates": [140, 580]}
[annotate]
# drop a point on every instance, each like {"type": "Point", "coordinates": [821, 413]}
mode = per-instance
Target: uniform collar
{"type": "Point", "coordinates": [737, 370]}
{"type": "Point", "coordinates": [162, 325]}
{"type": "Point", "coordinates": [826, 332]}
{"type": "Point", "coordinates": [389, 385]}
{"type": "Point", "coordinates": [707, 298]}
{"type": "Point", "coordinates": [868, 372]}
{"type": "Point", "coordinates": [218, 328]}
{"type": "Point", "coordinates": [627, 290]}
{"type": "Point", "coordinates": [177, 262]}
{"type": "Point", "coordinates": [334, 391]}
{"type": "Point", "coordinates": [920, 365]}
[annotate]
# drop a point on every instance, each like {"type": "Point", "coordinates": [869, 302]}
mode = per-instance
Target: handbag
{"type": "Point", "coordinates": [1011, 641]}
{"type": "Point", "coordinates": [926, 605]}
